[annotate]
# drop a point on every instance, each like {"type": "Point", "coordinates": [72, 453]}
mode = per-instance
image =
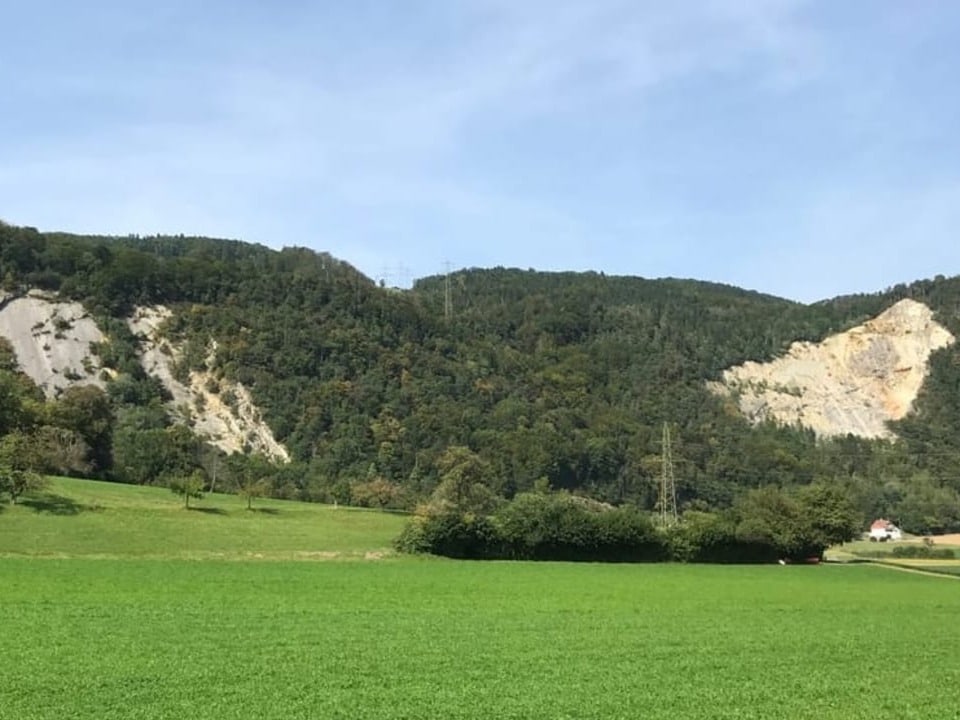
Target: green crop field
{"type": "Point", "coordinates": [101, 622]}
{"type": "Point", "coordinates": [415, 639]}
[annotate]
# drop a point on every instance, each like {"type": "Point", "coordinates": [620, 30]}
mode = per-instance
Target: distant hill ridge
{"type": "Point", "coordinates": [562, 378]}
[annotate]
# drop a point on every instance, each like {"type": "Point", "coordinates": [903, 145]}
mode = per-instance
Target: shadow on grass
{"type": "Point", "coordinates": [264, 511]}
{"type": "Point", "coordinates": [54, 505]}
{"type": "Point", "coordinates": [208, 510]}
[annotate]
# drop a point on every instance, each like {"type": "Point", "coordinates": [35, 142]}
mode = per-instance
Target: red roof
{"type": "Point", "coordinates": [880, 524]}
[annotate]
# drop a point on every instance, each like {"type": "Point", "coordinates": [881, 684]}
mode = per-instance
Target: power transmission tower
{"type": "Point", "coordinates": [667, 501]}
{"type": "Point", "coordinates": [404, 276]}
{"type": "Point", "coordinates": [447, 299]}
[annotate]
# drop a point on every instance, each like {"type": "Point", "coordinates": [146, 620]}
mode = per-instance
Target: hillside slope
{"type": "Point", "coordinates": [557, 378]}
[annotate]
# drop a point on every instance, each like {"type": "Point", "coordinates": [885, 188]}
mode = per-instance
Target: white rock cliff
{"type": "Point", "coordinates": [851, 383]}
{"type": "Point", "coordinates": [52, 343]}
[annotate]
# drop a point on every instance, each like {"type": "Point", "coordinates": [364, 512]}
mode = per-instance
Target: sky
{"type": "Point", "coordinates": [803, 149]}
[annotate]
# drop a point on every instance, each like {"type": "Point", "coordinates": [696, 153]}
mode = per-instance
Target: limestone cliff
{"type": "Point", "coordinates": [853, 382]}
{"type": "Point", "coordinates": [221, 410]}
{"type": "Point", "coordinates": [51, 340]}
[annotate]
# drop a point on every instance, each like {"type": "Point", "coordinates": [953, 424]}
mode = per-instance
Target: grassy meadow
{"type": "Point", "coordinates": [885, 553]}
{"type": "Point", "coordinates": [227, 620]}
{"type": "Point", "coordinates": [84, 518]}
{"type": "Point", "coordinates": [943, 567]}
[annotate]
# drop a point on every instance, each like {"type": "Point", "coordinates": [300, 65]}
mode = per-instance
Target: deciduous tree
{"type": "Point", "coordinates": [18, 464]}
{"type": "Point", "coordinates": [188, 486]}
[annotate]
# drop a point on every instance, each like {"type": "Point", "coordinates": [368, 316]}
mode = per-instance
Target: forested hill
{"type": "Point", "coordinates": [563, 379]}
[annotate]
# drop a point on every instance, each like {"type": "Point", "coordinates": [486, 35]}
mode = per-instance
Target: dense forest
{"type": "Point", "coordinates": [557, 381]}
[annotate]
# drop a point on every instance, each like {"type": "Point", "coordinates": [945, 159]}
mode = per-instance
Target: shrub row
{"type": "Point", "coordinates": [911, 552]}
{"type": "Point", "coordinates": [922, 551]}
{"type": "Point", "coordinates": [560, 527]}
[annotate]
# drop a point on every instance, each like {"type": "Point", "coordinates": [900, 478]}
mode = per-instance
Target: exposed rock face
{"type": "Point", "coordinates": [853, 382]}
{"type": "Point", "coordinates": [233, 426]}
{"type": "Point", "coordinates": [51, 340]}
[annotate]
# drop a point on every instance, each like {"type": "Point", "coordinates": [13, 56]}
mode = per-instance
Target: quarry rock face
{"type": "Point", "coordinates": [851, 383]}
{"type": "Point", "coordinates": [52, 341]}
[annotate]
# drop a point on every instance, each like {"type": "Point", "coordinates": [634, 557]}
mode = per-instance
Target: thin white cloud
{"type": "Point", "coordinates": [366, 144]}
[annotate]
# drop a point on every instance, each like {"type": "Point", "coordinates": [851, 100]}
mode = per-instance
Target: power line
{"type": "Point", "coordinates": [396, 276]}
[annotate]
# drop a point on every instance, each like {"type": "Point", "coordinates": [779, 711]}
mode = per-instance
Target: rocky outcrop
{"type": "Point", "coordinates": [51, 340]}
{"type": "Point", "coordinates": [851, 383]}
{"type": "Point", "coordinates": [216, 408]}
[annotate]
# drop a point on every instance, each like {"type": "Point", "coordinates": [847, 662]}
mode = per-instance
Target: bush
{"type": "Point", "coordinates": [626, 535]}
{"type": "Point", "coordinates": [709, 538]}
{"type": "Point", "coordinates": [922, 552]}
{"type": "Point", "coordinates": [413, 538]}
{"type": "Point", "coordinates": [548, 527]}
{"type": "Point", "coordinates": [379, 493]}
{"type": "Point", "coordinates": [538, 527]}
{"type": "Point", "coordinates": [558, 526]}
{"type": "Point", "coordinates": [466, 537]}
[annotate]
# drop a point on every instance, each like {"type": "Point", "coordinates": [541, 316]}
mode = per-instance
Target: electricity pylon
{"type": "Point", "coordinates": [667, 502]}
{"type": "Point", "coordinates": [447, 298]}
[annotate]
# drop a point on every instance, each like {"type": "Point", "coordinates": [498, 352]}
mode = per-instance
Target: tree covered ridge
{"type": "Point", "coordinates": [556, 378]}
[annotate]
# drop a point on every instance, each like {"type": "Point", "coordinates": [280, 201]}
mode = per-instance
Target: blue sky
{"type": "Point", "coordinates": [804, 149]}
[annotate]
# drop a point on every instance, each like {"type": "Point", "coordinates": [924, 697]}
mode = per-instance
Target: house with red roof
{"type": "Point", "coordinates": [882, 530]}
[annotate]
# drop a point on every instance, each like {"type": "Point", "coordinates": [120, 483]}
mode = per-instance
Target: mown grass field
{"type": "Point", "coordinates": [942, 567]}
{"type": "Point", "coordinates": [866, 547]}
{"type": "Point", "coordinates": [123, 632]}
{"type": "Point", "coordinates": [84, 518]}
{"type": "Point", "coordinates": [884, 553]}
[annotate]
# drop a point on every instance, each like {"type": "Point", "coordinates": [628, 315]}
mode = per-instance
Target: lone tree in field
{"type": "Point", "coordinates": [17, 463]}
{"type": "Point", "coordinates": [250, 486]}
{"type": "Point", "coordinates": [250, 476]}
{"type": "Point", "coordinates": [188, 487]}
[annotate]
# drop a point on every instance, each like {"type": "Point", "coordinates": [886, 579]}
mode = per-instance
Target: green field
{"type": "Point", "coordinates": [944, 569]}
{"type": "Point", "coordinates": [92, 631]}
{"type": "Point", "coordinates": [941, 567]}
{"type": "Point", "coordinates": [83, 518]}
{"type": "Point", "coordinates": [413, 639]}
{"type": "Point", "coordinates": [884, 553]}
{"type": "Point", "coordinates": [867, 548]}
